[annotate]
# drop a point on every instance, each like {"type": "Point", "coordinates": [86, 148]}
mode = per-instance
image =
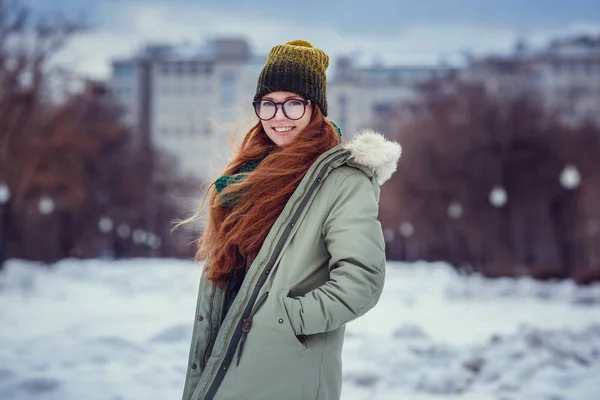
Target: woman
{"type": "Point", "coordinates": [293, 247]}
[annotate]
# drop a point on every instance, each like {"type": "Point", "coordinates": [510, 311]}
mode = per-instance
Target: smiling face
{"type": "Point", "coordinates": [280, 129]}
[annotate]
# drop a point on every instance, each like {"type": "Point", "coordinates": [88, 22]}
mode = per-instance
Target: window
{"type": "Point", "coordinates": [181, 69]}
{"type": "Point", "coordinates": [381, 108]}
{"type": "Point", "coordinates": [122, 70]}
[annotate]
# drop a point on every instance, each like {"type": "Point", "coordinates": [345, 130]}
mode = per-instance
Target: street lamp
{"type": "Point", "coordinates": [455, 210]}
{"type": "Point", "coordinates": [570, 178]}
{"type": "Point", "coordinates": [498, 196]}
{"type": "Point", "coordinates": [406, 229]}
{"type": "Point", "coordinates": [123, 231]}
{"type": "Point", "coordinates": [4, 193]}
{"type": "Point", "coordinates": [105, 225]}
{"type": "Point", "coordinates": [46, 205]}
{"type": "Point", "coordinates": [388, 234]}
{"type": "Point", "coordinates": [49, 247]}
{"type": "Point", "coordinates": [153, 241]}
{"type": "Point", "coordinates": [4, 199]}
{"type": "Point", "coordinates": [139, 236]}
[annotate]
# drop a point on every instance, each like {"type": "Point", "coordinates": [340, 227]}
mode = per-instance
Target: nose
{"type": "Point", "coordinates": [279, 115]}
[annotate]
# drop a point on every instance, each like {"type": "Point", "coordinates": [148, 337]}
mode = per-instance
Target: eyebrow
{"type": "Point", "coordinates": [286, 98]}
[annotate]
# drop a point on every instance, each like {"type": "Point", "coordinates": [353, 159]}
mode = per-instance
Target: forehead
{"type": "Point", "coordinates": [281, 96]}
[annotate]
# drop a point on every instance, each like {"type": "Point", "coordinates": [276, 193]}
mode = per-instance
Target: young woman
{"type": "Point", "coordinates": [293, 249]}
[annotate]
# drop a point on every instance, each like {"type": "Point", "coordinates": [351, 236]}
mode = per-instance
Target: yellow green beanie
{"type": "Point", "coordinates": [296, 67]}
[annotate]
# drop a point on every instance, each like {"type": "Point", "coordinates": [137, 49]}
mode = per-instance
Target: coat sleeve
{"type": "Point", "coordinates": [354, 239]}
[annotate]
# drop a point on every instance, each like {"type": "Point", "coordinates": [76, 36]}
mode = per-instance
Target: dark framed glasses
{"type": "Point", "coordinates": [292, 108]}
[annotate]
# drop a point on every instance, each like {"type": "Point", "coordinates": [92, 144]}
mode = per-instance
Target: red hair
{"type": "Point", "coordinates": [233, 236]}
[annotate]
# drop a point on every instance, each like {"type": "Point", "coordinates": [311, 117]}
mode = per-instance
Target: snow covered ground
{"type": "Point", "coordinates": [120, 331]}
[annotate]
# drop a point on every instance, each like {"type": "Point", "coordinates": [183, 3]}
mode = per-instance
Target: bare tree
{"type": "Point", "coordinates": [460, 146]}
{"type": "Point", "coordinates": [73, 175]}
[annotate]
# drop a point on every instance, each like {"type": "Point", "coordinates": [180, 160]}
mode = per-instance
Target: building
{"type": "Point", "coordinates": [187, 99]}
{"type": "Point", "coordinates": [357, 96]}
{"type": "Point", "coordinates": [565, 75]}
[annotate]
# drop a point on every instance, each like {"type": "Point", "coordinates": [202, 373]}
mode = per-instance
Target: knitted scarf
{"type": "Point", "coordinates": [222, 182]}
{"type": "Point", "coordinates": [230, 200]}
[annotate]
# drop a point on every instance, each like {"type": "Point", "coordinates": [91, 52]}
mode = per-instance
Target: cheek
{"type": "Point", "coordinates": [306, 119]}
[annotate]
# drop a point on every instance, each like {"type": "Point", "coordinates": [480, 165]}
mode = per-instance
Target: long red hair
{"type": "Point", "coordinates": [233, 236]}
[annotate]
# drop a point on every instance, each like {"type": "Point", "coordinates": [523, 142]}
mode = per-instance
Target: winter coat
{"type": "Point", "coordinates": [321, 265]}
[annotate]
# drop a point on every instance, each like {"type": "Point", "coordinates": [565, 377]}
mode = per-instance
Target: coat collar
{"type": "Point", "coordinates": [375, 152]}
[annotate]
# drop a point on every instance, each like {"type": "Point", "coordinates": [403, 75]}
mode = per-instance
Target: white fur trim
{"type": "Point", "coordinates": [374, 151]}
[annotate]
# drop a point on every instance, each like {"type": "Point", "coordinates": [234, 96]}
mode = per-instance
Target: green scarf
{"type": "Point", "coordinates": [231, 200]}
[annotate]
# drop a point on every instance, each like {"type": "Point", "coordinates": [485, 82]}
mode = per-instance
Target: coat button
{"type": "Point", "coordinates": [194, 366]}
{"type": "Point", "coordinates": [281, 320]}
{"type": "Point", "coordinates": [224, 368]}
{"type": "Point", "coordinates": [200, 317]}
{"type": "Point", "coordinates": [267, 272]}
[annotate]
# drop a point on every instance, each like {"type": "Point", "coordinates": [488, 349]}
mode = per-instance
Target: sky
{"type": "Point", "coordinates": [384, 31]}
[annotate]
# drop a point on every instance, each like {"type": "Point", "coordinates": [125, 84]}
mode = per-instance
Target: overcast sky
{"type": "Point", "coordinates": [389, 31]}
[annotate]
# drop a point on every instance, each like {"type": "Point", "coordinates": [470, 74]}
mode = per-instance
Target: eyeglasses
{"type": "Point", "coordinates": [292, 108]}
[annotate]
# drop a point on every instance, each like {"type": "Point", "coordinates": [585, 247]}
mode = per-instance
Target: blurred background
{"type": "Point", "coordinates": [116, 115]}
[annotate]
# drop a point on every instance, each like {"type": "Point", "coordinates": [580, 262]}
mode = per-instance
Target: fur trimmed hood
{"type": "Point", "coordinates": [375, 152]}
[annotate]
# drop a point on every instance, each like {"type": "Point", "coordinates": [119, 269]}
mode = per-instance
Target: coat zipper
{"type": "Point", "coordinates": [237, 334]}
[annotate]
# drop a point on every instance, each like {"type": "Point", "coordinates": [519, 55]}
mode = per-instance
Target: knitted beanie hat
{"type": "Point", "coordinates": [296, 67]}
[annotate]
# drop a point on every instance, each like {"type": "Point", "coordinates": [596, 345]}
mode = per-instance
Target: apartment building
{"type": "Point", "coordinates": [187, 99]}
{"type": "Point", "coordinates": [565, 75]}
{"type": "Point", "coordinates": [358, 95]}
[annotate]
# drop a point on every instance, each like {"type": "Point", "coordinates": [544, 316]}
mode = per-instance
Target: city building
{"type": "Point", "coordinates": [187, 99]}
{"type": "Point", "coordinates": [357, 96]}
{"type": "Point", "coordinates": [565, 75]}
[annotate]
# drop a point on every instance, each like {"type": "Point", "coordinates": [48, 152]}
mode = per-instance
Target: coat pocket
{"type": "Point", "coordinates": [301, 340]}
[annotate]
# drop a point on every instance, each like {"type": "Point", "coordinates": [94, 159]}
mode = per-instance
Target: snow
{"type": "Point", "coordinates": [120, 331]}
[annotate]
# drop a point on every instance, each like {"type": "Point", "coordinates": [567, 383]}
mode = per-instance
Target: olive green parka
{"type": "Point", "coordinates": [321, 266]}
